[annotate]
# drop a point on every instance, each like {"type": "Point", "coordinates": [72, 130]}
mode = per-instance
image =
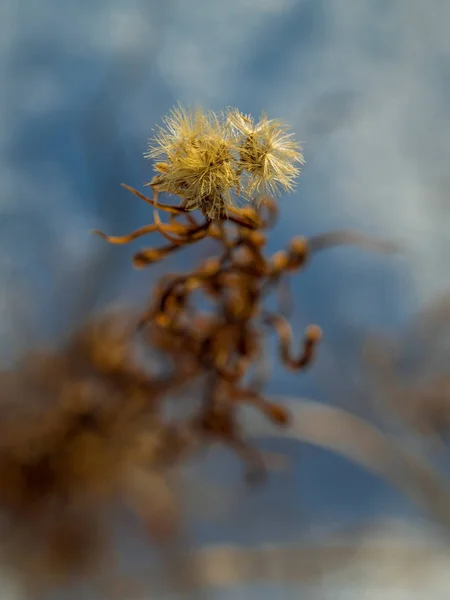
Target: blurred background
{"type": "Point", "coordinates": [365, 86]}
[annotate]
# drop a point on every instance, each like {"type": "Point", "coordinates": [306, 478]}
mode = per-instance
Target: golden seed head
{"type": "Point", "coordinates": [268, 154]}
{"type": "Point", "coordinates": [209, 160]}
{"type": "Point", "coordinates": [199, 163]}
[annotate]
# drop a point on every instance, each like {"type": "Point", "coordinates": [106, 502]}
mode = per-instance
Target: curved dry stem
{"type": "Point", "coordinates": [196, 234]}
{"type": "Point", "coordinates": [283, 329]}
{"type": "Point", "coordinates": [176, 210]}
{"type": "Point", "coordinates": [232, 374]}
{"type": "Point", "coordinates": [126, 239]}
{"type": "Point", "coordinates": [149, 256]}
{"type": "Point", "coordinates": [331, 239]}
{"type": "Point", "coordinates": [247, 218]}
{"type": "Point", "coordinates": [271, 207]}
{"type": "Point", "coordinates": [339, 431]}
{"type": "Point", "coordinates": [164, 232]}
{"type": "Point", "coordinates": [277, 413]}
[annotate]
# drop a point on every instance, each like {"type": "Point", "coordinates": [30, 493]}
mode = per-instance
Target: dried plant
{"type": "Point", "coordinates": [267, 153]}
{"type": "Point", "coordinates": [87, 424]}
{"type": "Point", "coordinates": [210, 160]}
{"type": "Point", "coordinates": [77, 428]}
{"type": "Point", "coordinates": [224, 341]}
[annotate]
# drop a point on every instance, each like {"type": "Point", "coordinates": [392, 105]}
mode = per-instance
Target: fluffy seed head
{"type": "Point", "coordinates": [196, 161]}
{"type": "Point", "coordinates": [269, 156]}
{"type": "Point", "coordinates": [211, 160]}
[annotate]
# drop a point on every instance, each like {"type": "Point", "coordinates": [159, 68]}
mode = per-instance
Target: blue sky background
{"type": "Point", "coordinates": [364, 84]}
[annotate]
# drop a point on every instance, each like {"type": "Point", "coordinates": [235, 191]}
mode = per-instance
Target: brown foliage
{"type": "Point", "coordinates": [86, 425]}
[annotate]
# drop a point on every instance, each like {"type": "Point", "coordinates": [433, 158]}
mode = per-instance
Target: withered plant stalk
{"type": "Point", "coordinates": [86, 424]}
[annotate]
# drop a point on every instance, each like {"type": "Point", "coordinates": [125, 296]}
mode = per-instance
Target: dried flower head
{"type": "Point", "coordinates": [212, 160]}
{"type": "Point", "coordinates": [268, 155]}
{"type": "Point", "coordinates": [197, 161]}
